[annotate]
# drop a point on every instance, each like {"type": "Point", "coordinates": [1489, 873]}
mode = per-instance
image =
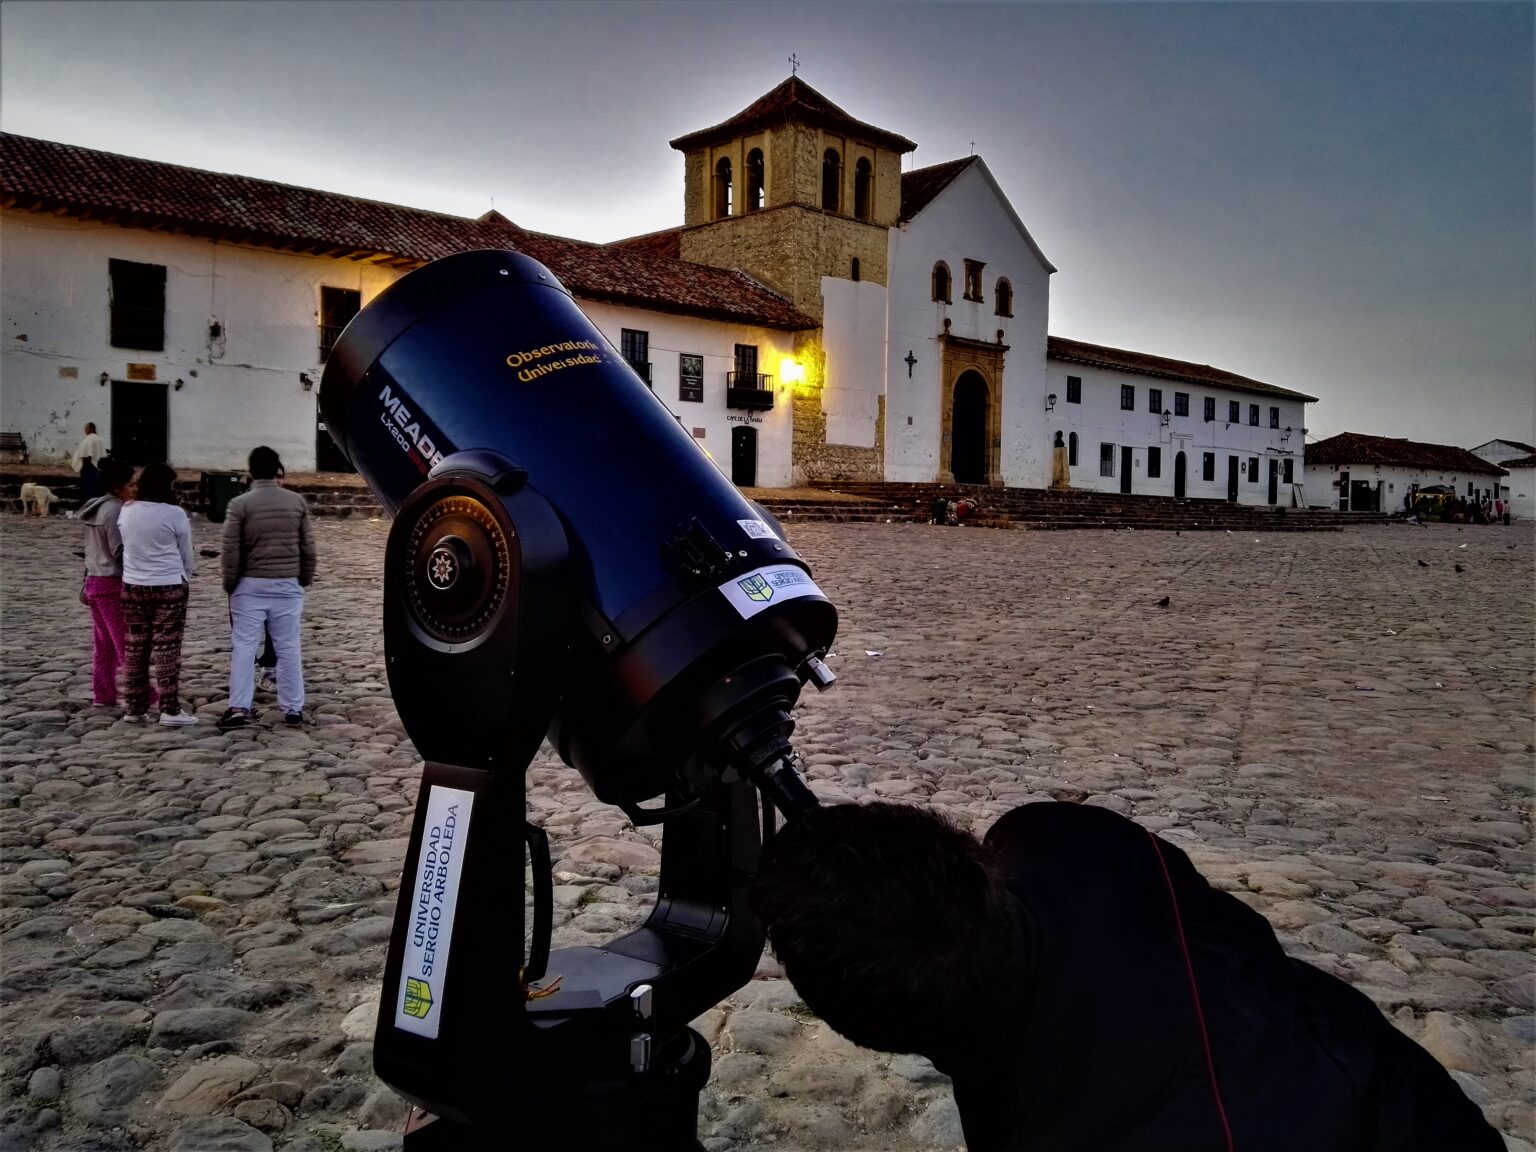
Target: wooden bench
{"type": "Point", "coordinates": [13, 449]}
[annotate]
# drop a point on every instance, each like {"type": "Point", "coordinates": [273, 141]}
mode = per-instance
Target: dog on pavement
{"type": "Point", "coordinates": [37, 499]}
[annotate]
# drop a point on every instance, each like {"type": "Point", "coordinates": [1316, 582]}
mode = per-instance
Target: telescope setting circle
{"type": "Point", "coordinates": [458, 569]}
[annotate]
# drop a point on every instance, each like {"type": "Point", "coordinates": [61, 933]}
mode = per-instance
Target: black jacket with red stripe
{"type": "Point", "coordinates": [1158, 1014]}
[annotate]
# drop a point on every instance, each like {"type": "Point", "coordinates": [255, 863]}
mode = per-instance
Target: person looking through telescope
{"type": "Point", "coordinates": [1088, 991]}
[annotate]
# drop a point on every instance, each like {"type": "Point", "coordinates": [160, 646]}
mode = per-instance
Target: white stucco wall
{"type": "Point", "coordinates": [670, 337]}
{"type": "Point", "coordinates": [1498, 451]}
{"type": "Point", "coordinates": [236, 393]}
{"type": "Point", "coordinates": [1520, 489]}
{"type": "Point", "coordinates": [853, 340]}
{"type": "Point", "coordinates": [244, 389]}
{"type": "Point", "coordinates": [1099, 419]}
{"type": "Point", "coordinates": [967, 220]}
{"type": "Point", "coordinates": [1323, 481]}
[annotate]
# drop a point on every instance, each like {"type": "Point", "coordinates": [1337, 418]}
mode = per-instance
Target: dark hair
{"type": "Point", "coordinates": [264, 463]}
{"type": "Point", "coordinates": [890, 923]}
{"type": "Point", "coordinates": [157, 484]}
{"type": "Point", "coordinates": [115, 474]}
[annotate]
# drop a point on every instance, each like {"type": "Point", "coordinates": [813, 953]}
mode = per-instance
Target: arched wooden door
{"type": "Point", "coordinates": [968, 452]}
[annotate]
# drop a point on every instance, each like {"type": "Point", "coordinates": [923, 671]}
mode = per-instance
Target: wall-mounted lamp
{"type": "Point", "coordinates": [180, 384]}
{"type": "Point", "coordinates": [791, 371]}
{"type": "Point", "coordinates": [1286, 435]}
{"type": "Point", "coordinates": [1167, 416]}
{"type": "Point", "coordinates": [104, 378]}
{"type": "Point", "coordinates": [304, 379]}
{"type": "Point", "coordinates": [1050, 402]}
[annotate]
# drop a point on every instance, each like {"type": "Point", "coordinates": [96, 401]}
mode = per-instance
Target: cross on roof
{"type": "Point", "coordinates": [794, 64]}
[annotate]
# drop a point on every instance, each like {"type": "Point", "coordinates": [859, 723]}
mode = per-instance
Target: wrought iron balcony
{"type": "Point", "coordinates": [749, 390]}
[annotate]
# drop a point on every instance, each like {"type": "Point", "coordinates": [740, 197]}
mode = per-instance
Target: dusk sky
{"type": "Point", "coordinates": [1335, 198]}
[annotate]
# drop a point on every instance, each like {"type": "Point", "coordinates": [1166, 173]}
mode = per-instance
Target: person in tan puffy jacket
{"type": "Point", "coordinates": [268, 560]}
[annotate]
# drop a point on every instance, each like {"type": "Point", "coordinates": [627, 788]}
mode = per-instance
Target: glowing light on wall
{"type": "Point", "coordinates": [791, 371]}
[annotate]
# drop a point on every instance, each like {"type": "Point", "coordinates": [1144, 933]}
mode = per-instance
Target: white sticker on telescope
{"type": "Point", "coordinates": [751, 593]}
{"type": "Point", "coordinates": [757, 530]}
{"type": "Point", "coordinates": [433, 893]}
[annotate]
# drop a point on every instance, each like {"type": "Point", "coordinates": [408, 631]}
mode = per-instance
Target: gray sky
{"type": "Point", "coordinates": [1336, 198]}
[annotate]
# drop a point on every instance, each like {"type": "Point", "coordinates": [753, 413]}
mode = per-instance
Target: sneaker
{"type": "Point", "coordinates": [178, 720]}
{"type": "Point", "coordinates": [294, 719]}
{"type": "Point", "coordinates": [135, 718]}
{"type": "Point", "coordinates": [234, 718]}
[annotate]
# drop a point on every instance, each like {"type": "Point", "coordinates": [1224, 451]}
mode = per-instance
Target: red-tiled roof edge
{"type": "Point", "coordinates": [1356, 448]}
{"type": "Point", "coordinates": [793, 99]}
{"type": "Point", "coordinates": [1147, 364]}
{"type": "Point", "coordinates": [920, 186]}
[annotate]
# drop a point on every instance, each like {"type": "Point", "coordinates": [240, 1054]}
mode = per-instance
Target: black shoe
{"type": "Point", "coordinates": [294, 719]}
{"type": "Point", "coordinates": [234, 718]}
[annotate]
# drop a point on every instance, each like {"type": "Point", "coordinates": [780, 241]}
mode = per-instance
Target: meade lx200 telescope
{"type": "Point", "coordinates": [565, 562]}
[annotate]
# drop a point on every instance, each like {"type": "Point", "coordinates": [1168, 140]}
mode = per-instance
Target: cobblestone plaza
{"type": "Point", "coordinates": [1337, 727]}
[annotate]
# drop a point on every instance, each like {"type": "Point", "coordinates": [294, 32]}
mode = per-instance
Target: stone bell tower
{"type": "Point", "coordinates": [798, 194]}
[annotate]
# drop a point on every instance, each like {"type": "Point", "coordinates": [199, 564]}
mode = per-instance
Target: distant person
{"type": "Point", "coordinates": [102, 589]}
{"type": "Point", "coordinates": [268, 561]}
{"type": "Point", "coordinates": [87, 462]}
{"type": "Point", "coordinates": [1088, 991]}
{"type": "Point", "coordinates": [157, 567]}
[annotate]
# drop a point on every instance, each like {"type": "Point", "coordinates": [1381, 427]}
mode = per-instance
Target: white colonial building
{"type": "Point", "coordinates": [1357, 473]}
{"type": "Point", "coordinates": [820, 315]}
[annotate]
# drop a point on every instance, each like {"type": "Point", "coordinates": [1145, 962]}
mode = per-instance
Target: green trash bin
{"type": "Point", "coordinates": [219, 488]}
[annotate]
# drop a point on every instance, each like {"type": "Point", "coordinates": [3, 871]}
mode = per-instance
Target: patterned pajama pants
{"type": "Point", "coordinates": [155, 616]}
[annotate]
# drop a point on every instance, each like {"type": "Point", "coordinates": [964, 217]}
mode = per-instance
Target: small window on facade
{"type": "Point", "coordinates": [1208, 462]}
{"type": "Point", "coordinates": [1253, 415]}
{"type": "Point", "coordinates": [1210, 409]}
{"type": "Point", "coordinates": [1106, 459]}
{"type": "Point", "coordinates": [1274, 417]}
{"type": "Point", "coordinates": [941, 282]}
{"type": "Point", "coordinates": [1290, 470]}
{"type": "Point", "coordinates": [723, 187]}
{"type": "Point", "coordinates": [1074, 389]}
{"type": "Point", "coordinates": [1004, 298]}
{"type": "Point", "coordinates": [1181, 403]}
{"type": "Point", "coordinates": [1128, 397]}
{"type": "Point", "coordinates": [635, 347]}
{"type": "Point", "coordinates": [754, 198]}
{"type": "Point", "coordinates": [831, 180]}
{"type": "Point", "coordinates": [1154, 461]}
{"type": "Point", "coordinates": [973, 279]}
{"type": "Point", "coordinates": [853, 269]}
{"type": "Point", "coordinates": [1253, 469]}
{"type": "Point", "coordinates": [1072, 450]}
{"type": "Point", "coordinates": [863, 189]}
{"type": "Point", "coordinates": [1234, 412]}
{"type": "Point", "coordinates": [1155, 401]}
{"type": "Point", "coordinates": [136, 299]}
{"type": "Point", "coordinates": [337, 307]}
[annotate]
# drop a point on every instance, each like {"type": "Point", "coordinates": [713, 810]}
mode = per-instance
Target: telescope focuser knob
{"type": "Point", "coordinates": [640, 1000]}
{"type": "Point", "coordinates": [819, 674]}
{"type": "Point", "coordinates": [640, 1052]}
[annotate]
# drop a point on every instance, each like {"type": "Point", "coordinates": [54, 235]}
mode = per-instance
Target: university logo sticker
{"type": "Point", "coordinates": [765, 588]}
{"type": "Point", "coordinates": [756, 588]}
{"type": "Point", "coordinates": [418, 997]}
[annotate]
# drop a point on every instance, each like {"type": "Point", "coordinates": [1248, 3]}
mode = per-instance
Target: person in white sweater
{"type": "Point", "coordinates": [157, 565]}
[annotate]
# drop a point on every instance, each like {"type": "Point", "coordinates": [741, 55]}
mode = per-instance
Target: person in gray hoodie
{"type": "Point", "coordinates": [102, 591]}
{"type": "Point", "coordinates": [268, 560]}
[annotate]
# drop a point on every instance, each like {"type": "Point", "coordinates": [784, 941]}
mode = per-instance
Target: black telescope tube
{"type": "Point", "coordinates": [679, 579]}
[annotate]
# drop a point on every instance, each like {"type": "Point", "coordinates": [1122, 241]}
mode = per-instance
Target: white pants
{"type": "Point", "coordinates": [254, 606]}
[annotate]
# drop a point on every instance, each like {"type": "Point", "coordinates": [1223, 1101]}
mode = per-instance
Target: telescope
{"type": "Point", "coordinates": [564, 563]}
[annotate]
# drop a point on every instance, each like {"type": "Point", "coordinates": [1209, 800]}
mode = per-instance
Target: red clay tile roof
{"type": "Point", "coordinates": [1523, 462]}
{"type": "Point", "coordinates": [667, 242]}
{"type": "Point", "coordinates": [1096, 355]}
{"type": "Point", "coordinates": [792, 101]}
{"type": "Point", "coordinates": [42, 175]}
{"type": "Point", "coordinates": [1354, 448]}
{"type": "Point", "coordinates": [921, 185]}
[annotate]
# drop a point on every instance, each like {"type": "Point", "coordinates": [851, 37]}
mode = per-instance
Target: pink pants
{"type": "Point", "coordinates": [105, 596]}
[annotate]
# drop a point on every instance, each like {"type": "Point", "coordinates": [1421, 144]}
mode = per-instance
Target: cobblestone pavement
{"type": "Point", "coordinates": [194, 924]}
